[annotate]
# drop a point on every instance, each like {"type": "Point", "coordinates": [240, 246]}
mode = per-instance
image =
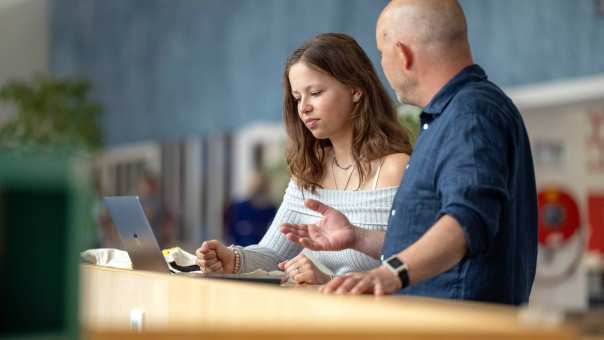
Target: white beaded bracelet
{"type": "Point", "coordinates": [237, 253]}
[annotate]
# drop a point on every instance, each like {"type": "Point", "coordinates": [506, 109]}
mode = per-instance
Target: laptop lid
{"type": "Point", "coordinates": [139, 241]}
{"type": "Point", "coordinates": [136, 234]}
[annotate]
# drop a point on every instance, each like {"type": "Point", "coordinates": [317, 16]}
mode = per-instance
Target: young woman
{"type": "Point", "coordinates": [346, 148]}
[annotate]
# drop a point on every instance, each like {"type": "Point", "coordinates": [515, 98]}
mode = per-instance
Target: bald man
{"type": "Point", "coordinates": [464, 221]}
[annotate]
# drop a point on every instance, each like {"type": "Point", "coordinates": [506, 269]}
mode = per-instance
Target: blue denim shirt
{"type": "Point", "coordinates": [472, 161]}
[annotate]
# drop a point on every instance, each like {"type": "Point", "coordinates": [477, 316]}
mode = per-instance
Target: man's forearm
{"type": "Point", "coordinates": [439, 249]}
{"type": "Point", "coordinates": [369, 242]}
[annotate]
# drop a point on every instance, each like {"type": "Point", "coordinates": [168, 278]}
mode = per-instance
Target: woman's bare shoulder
{"type": "Point", "coordinates": [393, 168]}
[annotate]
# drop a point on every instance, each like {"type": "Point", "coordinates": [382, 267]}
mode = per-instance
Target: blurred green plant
{"type": "Point", "coordinates": [278, 177]}
{"type": "Point", "coordinates": [408, 116]}
{"type": "Point", "coordinates": [50, 113]}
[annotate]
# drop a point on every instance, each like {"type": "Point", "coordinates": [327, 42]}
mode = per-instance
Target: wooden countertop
{"type": "Point", "coordinates": [184, 307]}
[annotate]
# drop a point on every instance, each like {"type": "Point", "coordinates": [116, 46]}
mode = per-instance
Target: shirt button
{"type": "Point", "coordinates": [425, 127]}
{"type": "Point", "coordinates": [393, 212]}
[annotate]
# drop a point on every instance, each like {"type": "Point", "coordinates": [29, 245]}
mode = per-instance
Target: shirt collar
{"type": "Point", "coordinates": [442, 98]}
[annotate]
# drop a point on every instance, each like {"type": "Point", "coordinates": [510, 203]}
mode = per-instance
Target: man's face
{"type": "Point", "coordinates": [393, 62]}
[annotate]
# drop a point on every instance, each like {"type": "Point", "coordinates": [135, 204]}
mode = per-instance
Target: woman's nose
{"type": "Point", "coordinates": [305, 107]}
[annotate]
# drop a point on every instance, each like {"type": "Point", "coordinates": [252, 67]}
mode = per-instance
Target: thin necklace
{"type": "Point", "coordinates": [335, 160]}
{"type": "Point", "coordinates": [333, 175]}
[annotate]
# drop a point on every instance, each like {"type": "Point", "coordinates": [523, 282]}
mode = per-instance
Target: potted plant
{"type": "Point", "coordinates": [50, 113]}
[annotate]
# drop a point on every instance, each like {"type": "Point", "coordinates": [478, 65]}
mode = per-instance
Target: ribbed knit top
{"type": "Point", "coordinates": [368, 209]}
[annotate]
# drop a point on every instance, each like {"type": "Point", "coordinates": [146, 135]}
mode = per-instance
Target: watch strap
{"type": "Point", "coordinates": [398, 267]}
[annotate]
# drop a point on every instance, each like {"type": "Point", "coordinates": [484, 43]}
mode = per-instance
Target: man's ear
{"type": "Point", "coordinates": [406, 55]}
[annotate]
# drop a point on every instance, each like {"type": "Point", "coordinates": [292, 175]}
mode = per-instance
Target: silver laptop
{"type": "Point", "coordinates": [139, 241]}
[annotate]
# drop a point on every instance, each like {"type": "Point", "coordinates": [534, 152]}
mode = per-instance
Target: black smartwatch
{"type": "Point", "coordinates": [399, 268]}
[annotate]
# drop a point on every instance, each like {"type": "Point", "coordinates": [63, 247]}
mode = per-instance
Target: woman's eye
{"type": "Point", "coordinates": [315, 93]}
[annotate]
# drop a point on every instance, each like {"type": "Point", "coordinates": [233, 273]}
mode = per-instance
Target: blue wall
{"type": "Point", "coordinates": [528, 41]}
{"type": "Point", "coordinates": [168, 68]}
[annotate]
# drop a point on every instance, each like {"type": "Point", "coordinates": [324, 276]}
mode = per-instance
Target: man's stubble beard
{"type": "Point", "coordinates": [407, 88]}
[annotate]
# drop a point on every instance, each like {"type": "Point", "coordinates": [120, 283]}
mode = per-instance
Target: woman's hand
{"type": "Point", "coordinates": [302, 270]}
{"type": "Point", "coordinates": [213, 256]}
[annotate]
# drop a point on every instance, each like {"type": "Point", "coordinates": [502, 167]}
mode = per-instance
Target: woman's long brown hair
{"type": "Point", "coordinates": [376, 130]}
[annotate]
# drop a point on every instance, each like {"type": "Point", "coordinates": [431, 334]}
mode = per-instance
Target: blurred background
{"type": "Point", "coordinates": [179, 102]}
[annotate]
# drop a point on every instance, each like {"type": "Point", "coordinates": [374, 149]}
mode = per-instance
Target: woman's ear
{"type": "Point", "coordinates": [356, 95]}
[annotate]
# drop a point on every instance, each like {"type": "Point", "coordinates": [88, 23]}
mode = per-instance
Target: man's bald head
{"type": "Point", "coordinates": [423, 43]}
{"type": "Point", "coordinates": [424, 23]}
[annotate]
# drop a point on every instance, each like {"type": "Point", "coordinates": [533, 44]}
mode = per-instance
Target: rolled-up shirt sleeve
{"type": "Point", "coordinates": [472, 178]}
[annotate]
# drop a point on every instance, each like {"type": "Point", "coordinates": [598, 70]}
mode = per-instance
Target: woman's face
{"type": "Point", "coordinates": [324, 104]}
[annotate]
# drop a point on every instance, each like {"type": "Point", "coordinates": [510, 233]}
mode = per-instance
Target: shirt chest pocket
{"type": "Point", "coordinates": [413, 212]}
{"type": "Point", "coordinates": [419, 174]}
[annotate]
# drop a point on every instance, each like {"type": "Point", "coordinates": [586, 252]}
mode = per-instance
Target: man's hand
{"type": "Point", "coordinates": [332, 232]}
{"type": "Point", "coordinates": [379, 281]}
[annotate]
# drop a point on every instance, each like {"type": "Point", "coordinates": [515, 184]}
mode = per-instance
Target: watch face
{"type": "Point", "coordinates": [395, 262]}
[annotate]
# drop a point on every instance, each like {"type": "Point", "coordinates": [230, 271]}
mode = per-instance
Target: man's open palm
{"type": "Point", "coordinates": [332, 232]}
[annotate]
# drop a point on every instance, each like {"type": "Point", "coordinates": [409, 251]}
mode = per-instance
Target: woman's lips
{"type": "Point", "coordinates": [311, 123]}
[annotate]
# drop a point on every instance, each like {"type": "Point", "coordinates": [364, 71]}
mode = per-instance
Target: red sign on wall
{"type": "Point", "coordinates": [595, 142]}
{"type": "Point", "coordinates": [559, 217]}
{"type": "Point", "coordinates": [595, 217]}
